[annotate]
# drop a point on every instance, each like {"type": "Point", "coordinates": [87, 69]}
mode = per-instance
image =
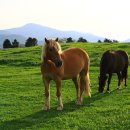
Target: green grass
{"type": "Point", "coordinates": [21, 94]}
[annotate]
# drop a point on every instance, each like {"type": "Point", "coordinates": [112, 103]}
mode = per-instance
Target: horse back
{"type": "Point", "coordinates": [75, 56]}
{"type": "Point", "coordinates": [75, 60]}
{"type": "Point", "coordinates": [114, 61]}
{"type": "Point", "coordinates": [124, 56]}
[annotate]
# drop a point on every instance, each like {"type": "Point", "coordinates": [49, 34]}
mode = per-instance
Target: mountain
{"type": "Point", "coordinates": [3, 32]}
{"type": "Point", "coordinates": [127, 40]}
{"type": "Point", "coordinates": [40, 32]}
{"type": "Point", "coordinates": [35, 30]}
{"type": "Point", "coordinates": [11, 37]}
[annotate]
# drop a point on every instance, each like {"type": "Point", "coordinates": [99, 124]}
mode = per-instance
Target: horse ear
{"type": "Point", "coordinates": [57, 39]}
{"type": "Point", "coordinates": [47, 41]}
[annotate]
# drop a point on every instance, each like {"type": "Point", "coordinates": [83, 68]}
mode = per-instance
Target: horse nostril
{"type": "Point", "coordinates": [58, 63]}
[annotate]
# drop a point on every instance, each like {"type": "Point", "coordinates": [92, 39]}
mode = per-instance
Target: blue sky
{"type": "Point", "coordinates": [108, 18]}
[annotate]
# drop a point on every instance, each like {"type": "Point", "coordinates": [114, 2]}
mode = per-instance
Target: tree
{"type": "Point", "coordinates": [28, 42]}
{"type": "Point", "coordinates": [7, 44]}
{"type": "Point", "coordinates": [115, 41]}
{"type": "Point", "coordinates": [34, 42]}
{"type": "Point", "coordinates": [81, 39]}
{"type": "Point", "coordinates": [31, 42]}
{"type": "Point", "coordinates": [99, 41]}
{"type": "Point", "coordinates": [15, 43]}
{"type": "Point", "coordinates": [69, 40]}
{"type": "Point", "coordinates": [107, 40]}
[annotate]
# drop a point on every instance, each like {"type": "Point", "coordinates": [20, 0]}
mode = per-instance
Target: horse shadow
{"type": "Point", "coordinates": [44, 117]}
{"type": "Point", "coordinates": [98, 96]}
{"type": "Point", "coordinates": [35, 119]}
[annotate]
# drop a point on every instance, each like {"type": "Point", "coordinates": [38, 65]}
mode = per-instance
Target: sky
{"type": "Point", "coordinates": [107, 18]}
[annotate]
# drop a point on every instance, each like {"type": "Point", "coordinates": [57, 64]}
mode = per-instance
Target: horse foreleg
{"type": "Point", "coordinates": [109, 81]}
{"type": "Point", "coordinates": [76, 83]}
{"type": "Point", "coordinates": [125, 82]}
{"type": "Point", "coordinates": [58, 93]}
{"type": "Point", "coordinates": [47, 94]}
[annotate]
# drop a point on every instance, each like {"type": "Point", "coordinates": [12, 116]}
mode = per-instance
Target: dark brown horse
{"type": "Point", "coordinates": [56, 65]}
{"type": "Point", "coordinates": [113, 62]}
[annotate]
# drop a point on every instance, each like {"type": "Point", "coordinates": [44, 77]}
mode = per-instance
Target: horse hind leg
{"type": "Point", "coordinates": [84, 84]}
{"type": "Point", "coordinates": [124, 76]}
{"type": "Point", "coordinates": [76, 83]}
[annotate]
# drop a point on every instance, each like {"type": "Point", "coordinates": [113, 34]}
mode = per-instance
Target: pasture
{"type": "Point", "coordinates": [21, 94]}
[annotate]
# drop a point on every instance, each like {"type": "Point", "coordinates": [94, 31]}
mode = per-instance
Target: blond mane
{"type": "Point", "coordinates": [51, 43]}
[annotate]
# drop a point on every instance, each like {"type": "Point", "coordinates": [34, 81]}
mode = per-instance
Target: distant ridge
{"type": "Point", "coordinates": [11, 37]}
{"type": "Point", "coordinates": [39, 32]}
{"type": "Point", "coordinates": [127, 40]}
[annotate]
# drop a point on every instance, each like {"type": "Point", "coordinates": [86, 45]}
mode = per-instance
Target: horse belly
{"type": "Point", "coordinates": [73, 68]}
{"type": "Point", "coordinates": [71, 74]}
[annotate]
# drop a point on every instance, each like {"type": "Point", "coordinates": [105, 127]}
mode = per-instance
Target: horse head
{"type": "Point", "coordinates": [52, 51]}
{"type": "Point", "coordinates": [102, 82]}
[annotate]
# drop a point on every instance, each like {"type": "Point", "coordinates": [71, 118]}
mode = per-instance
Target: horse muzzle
{"type": "Point", "coordinates": [58, 63]}
{"type": "Point", "coordinates": [100, 90]}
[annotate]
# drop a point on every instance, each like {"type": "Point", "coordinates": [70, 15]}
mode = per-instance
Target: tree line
{"type": "Point", "coordinates": [81, 39]}
{"type": "Point", "coordinates": [15, 44]}
{"type": "Point", "coordinates": [34, 42]}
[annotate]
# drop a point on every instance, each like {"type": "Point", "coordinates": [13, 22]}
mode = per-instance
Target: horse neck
{"type": "Point", "coordinates": [102, 73]}
{"type": "Point", "coordinates": [45, 59]}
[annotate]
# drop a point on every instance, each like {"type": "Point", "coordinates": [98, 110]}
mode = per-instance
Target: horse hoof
{"type": "Point", "coordinates": [107, 91]}
{"type": "Point", "coordinates": [118, 87]}
{"type": "Point", "coordinates": [79, 103]}
{"type": "Point", "coordinates": [60, 108]}
{"type": "Point", "coordinates": [46, 108]}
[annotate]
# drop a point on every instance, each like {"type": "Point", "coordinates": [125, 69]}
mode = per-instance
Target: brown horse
{"type": "Point", "coordinates": [56, 65]}
{"type": "Point", "coordinates": [113, 62]}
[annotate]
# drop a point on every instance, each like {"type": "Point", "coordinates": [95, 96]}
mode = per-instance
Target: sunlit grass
{"type": "Point", "coordinates": [21, 94]}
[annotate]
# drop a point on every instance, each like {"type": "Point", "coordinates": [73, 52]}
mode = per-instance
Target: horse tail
{"type": "Point", "coordinates": [85, 84]}
{"type": "Point", "coordinates": [125, 70]}
{"type": "Point", "coordinates": [84, 78]}
{"type": "Point", "coordinates": [87, 89]}
{"type": "Point", "coordinates": [125, 73]}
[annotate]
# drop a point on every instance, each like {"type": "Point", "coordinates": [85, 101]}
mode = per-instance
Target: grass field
{"type": "Point", "coordinates": [21, 94]}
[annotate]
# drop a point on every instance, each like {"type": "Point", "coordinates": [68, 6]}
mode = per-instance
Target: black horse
{"type": "Point", "coordinates": [113, 62]}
